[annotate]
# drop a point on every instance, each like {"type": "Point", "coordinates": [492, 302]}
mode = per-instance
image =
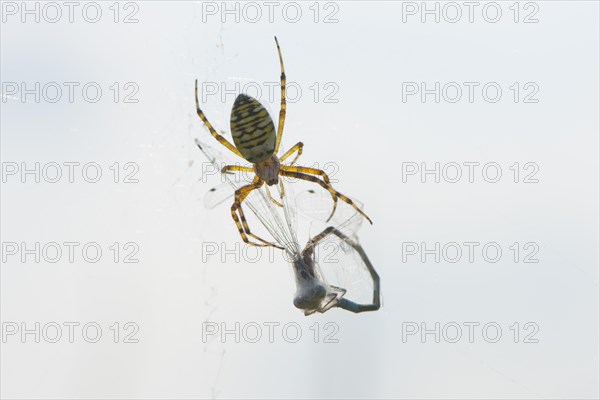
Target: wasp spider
{"type": "Point", "coordinates": [257, 142]}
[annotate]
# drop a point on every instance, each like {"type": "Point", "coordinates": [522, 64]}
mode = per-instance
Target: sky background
{"type": "Point", "coordinates": [356, 74]}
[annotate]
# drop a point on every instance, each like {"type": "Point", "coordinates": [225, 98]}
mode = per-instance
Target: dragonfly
{"type": "Point", "coordinates": [348, 264]}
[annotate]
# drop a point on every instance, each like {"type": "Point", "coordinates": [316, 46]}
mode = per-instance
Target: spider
{"type": "Point", "coordinates": [257, 142]}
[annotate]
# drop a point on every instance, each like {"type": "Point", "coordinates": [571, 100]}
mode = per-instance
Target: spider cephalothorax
{"type": "Point", "coordinates": [256, 141]}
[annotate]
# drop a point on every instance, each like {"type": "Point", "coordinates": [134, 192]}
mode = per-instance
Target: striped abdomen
{"type": "Point", "coordinates": [252, 129]}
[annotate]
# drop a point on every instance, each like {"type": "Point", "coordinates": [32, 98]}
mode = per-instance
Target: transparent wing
{"type": "Point", "coordinates": [340, 264]}
{"type": "Point", "coordinates": [279, 223]}
{"type": "Point", "coordinates": [218, 195]}
{"type": "Point", "coordinates": [343, 265]}
{"type": "Point", "coordinates": [342, 261]}
{"type": "Point", "coordinates": [316, 206]}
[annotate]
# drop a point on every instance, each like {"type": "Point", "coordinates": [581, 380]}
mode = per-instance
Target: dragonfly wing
{"type": "Point", "coordinates": [269, 215]}
{"type": "Point", "coordinates": [218, 195]}
{"type": "Point", "coordinates": [317, 206]}
{"type": "Point", "coordinates": [344, 266]}
{"type": "Point", "coordinates": [340, 262]}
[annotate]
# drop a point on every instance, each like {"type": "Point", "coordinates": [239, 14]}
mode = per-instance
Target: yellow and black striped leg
{"type": "Point", "coordinates": [283, 102]}
{"type": "Point", "coordinates": [307, 170]}
{"type": "Point", "coordinates": [240, 221]}
{"type": "Point", "coordinates": [325, 186]}
{"type": "Point", "coordinates": [281, 189]}
{"type": "Point", "coordinates": [210, 128]}
{"type": "Point", "coordinates": [314, 171]}
{"type": "Point", "coordinates": [247, 232]}
{"type": "Point", "coordinates": [271, 197]}
{"type": "Point", "coordinates": [297, 147]}
{"type": "Point", "coordinates": [227, 169]}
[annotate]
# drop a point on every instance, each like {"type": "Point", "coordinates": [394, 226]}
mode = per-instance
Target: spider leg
{"type": "Point", "coordinates": [326, 186]}
{"type": "Point", "coordinates": [297, 147]}
{"type": "Point", "coordinates": [271, 197]}
{"type": "Point", "coordinates": [228, 168]}
{"type": "Point", "coordinates": [314, 171]}
{"type": "Point", "coordinates": [345, 303]}
{"type": "Point", "coordinates": [236, 209]}
{"type": "Point", "coordinates": [212, 130]}
{"type": "Point", "coordinates": [283, 103]}
{"type": "Point", "coordinates": [281, 189]}
{"type": "Point", "coordinates": [247, 231]}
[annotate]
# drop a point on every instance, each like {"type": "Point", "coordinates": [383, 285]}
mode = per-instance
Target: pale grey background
{"type": "Point", "coordinates": [368, 53]}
